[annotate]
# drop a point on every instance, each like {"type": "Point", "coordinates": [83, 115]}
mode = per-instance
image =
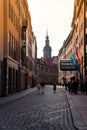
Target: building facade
{"type": "Point", "coordinates": [77, 43]}
{"type": "Point", "coordinates": [15, 46]}
{"type": "Point", "coordinates": [34, 61]}
{"type": "Point", "coordinates": [46, 71]}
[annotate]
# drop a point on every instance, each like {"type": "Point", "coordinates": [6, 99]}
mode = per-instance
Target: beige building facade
{"type": "Point", "coordinates": [15, 46]}
{"type": "Point", "coordinates": [76, 42]}
{"type": "Point", "coordinates": [46, 73]}
{"type": "Point", "coordinates": [34, 61]}
{"type": "Point", "coordinates": [65, 53]}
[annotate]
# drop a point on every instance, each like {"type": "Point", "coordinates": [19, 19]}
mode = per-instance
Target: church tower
{"type": "Point", "coordinates": [47, 49]}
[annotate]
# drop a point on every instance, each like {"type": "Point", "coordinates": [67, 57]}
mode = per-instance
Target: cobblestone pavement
{"type": "Point", "coordinates": [48, 111]}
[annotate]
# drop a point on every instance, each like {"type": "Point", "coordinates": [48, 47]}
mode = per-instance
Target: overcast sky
{"type": "Point", "coordinates": [54, 16]}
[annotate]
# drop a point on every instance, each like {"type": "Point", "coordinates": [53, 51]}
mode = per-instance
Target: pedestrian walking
{"type": "Point", "coordinates": [38, 88]}
{"type": "Point", "coordinates": [75, 86]}
{"type": "Point", "coordinates": [42, 87]}
{"type": "Point", "coordinates": [54, 87]}
{"type": "Point", "coordinates": [70, 87]}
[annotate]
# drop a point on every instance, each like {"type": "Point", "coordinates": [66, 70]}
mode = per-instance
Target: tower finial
{"type": "Point", "coordinates": [47, 31]}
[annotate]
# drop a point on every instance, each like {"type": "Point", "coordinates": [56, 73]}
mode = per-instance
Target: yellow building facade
{"type": "Point", "coordinates": [15, 46]}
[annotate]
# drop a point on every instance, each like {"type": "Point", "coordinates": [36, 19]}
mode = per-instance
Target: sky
{"type": "Point", "coordinates": [54, 16]}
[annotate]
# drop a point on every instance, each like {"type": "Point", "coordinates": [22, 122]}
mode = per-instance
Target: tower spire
{"type": "Point", "coordinates": [47, 32]}
{"type": "Point", "coordinates": [47, 37]}
{"type": "Point", "coordinates": [47, 49]}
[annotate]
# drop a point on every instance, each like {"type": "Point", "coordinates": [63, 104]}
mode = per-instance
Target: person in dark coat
{"type": "Point", "coordinates": [70, 87]}
{"type": "Point", "coordinates": [42, 87]}
{"type": "Point", "coordinates": [86, 84]}
{"type": "Point", "coordinates": [54, 87]}
{"type": "Point", "coordinates": [75, 86]}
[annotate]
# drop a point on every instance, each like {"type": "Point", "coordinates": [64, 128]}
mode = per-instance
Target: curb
{"type": "Point", "coordinates": [15, 96]}
{"type": "Point", "coordinates": [76, 116]}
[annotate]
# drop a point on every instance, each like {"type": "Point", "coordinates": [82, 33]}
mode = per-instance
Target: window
{"type": "Point", "coordinates": [17, 2]}
{"type": "Point", "coordinates": [13, 46]}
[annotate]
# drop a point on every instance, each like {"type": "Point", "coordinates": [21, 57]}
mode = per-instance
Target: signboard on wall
{"type": "Point", "coordinates": [68, 65]}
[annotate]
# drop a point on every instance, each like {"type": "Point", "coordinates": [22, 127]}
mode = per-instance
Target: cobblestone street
{"type": "Point", "coordinates": [48, 111]}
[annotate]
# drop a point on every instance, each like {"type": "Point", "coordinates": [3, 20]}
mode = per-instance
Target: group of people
{"type": "Point", "coordinates": [40, 87]}
{"type": "Point", "coordinates": [73, 86]}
